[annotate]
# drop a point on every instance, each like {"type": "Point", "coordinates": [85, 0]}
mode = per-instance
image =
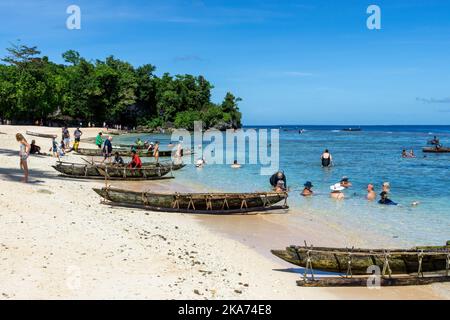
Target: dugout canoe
{"type": "Point", "coordinates": [122, 152]}
{"type": "Point", "coordinates": [436, 150]}
{"type": "Point", "coordinates": [90, 171]}
{"type": "Point", "coordinates": [210, 203]}
{"type": "Point", "coordinates": [401, 261]}
{"type": "Point", "coordinates": [41, 135]}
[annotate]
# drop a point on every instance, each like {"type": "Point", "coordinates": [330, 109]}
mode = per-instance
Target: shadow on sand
{"type": "Point", "coordinates": [36, 176]}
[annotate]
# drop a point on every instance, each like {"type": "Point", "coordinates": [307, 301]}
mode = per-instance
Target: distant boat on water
{"type": "Point", "coordinates": [351, 129]}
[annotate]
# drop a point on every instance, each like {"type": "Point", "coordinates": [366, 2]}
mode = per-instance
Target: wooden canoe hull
{"type": "Point", "coordinates": [226, 203]}
{"type": "Point", "coordinates": [113, 173]}
{"type": "Point", "coordinates": [401, 261]}
{"type": "Point", "coordinates": [41, 135]}
{"type": "Point", "coordinates": [436, 150]}
{"type": "Point", "coordinates": [122, 153]}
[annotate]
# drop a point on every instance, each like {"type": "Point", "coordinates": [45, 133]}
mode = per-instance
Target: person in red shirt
{"type": "Point", "coordinates": [135, 161]}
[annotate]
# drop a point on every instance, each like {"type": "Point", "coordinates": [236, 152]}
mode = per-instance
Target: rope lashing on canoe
{"type": "Point", "coordinates": [420, 257]}
{"type": "Point", "coordinates": [124, 172]}
{"type": "Point", "coordinates": [285, 199]}
{"type": "Point", "coordinates": [308, 266]}
{"type": "Point", "coordinates": [85, 170]}
{"type": "Point", "coordinates": [225, 203]}
{"type": "Point", "coordinates": [265, 200]}
{"type": "Point", "coordinates": [349, 265]}
{"type": "Point", "coordinates": [208, 199]}
{"type": "Point", "coordinates": [244, 202]}
{"type": "Point", "coordinates": [386, 266]}
{"type": "Point", "coordinates": [144, 199]}
{"type": "Point", "coordinates": [176, 201]}
{"type": "Point", "coordinates": [191, 202]}
{"type": "Point", "coordinates": [447, 265]}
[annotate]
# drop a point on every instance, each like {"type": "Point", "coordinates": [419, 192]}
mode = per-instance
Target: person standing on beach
{"type": "Point", "coordinates": [156, 151]}
{"type": "Point", "coordinates": [54, 148]}
{"type": "Point", "coordinates": [326, 159]}
{"type": "Point", "coordinates": [107, 149]}
{"type": "Point", "coordinates": [24, 152]}
{"type": "Point", "coordinates": [77, 134]}
{"type": "Point", "coordinates": [99, 140]}
{"type": "Point", "coordinates": [66, 137]}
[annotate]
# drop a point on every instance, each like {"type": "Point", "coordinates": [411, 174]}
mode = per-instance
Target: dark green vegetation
{"type": "Point", "coordinates": [32, 88]}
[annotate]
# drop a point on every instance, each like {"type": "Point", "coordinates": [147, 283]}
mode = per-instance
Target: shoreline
{"type": "Point", "coordinates": [61, 243]}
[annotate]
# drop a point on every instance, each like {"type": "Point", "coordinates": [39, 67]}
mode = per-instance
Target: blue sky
{"type": "Point", "coordinates": [292, 62]}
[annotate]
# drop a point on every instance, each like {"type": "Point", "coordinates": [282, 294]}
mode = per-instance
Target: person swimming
{"type": "Point", "coordinates": [277, 176]}
{"type": "Point", "coordinates": [280, 187]}
{"type": "Point", "coordinates": [386, 187]}
{"type": "Point", "coordinates": [235, 165]}
{"type": "Point", "coordinates": [336, 191]}
{"type": "Point", "coordinates": [345, 182]}
{"type": "Point", "coordinates": [371, 194]}
{"type": "Point", "coordinates": [326, 158]}
{"type": "Point", "coordinates": [307, 191]}
{"type": "Point", "coordinates": [385, 200]}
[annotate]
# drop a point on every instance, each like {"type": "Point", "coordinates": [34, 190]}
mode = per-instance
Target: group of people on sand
{"type": "Point", "coordinates": [117, 160]}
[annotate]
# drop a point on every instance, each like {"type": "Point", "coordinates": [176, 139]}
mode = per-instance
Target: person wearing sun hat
{"type": "Point", "coordinates": [307, 192]}
{"type": "Point", "coordinates": [336, 191]}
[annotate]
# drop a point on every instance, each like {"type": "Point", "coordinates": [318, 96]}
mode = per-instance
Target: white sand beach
{"type": "Point", "coordinates": [59, 242]}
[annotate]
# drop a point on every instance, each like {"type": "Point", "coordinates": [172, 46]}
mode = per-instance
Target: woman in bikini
{"type": "Point", "coordinates": [24, 152]}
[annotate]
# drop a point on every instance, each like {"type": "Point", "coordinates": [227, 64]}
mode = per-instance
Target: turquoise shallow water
{"type": "Point", "coordinates": [369, 156]}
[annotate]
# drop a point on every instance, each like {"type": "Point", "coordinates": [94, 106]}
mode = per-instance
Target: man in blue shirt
{"type": "Point", "coordinates": [107, 149]}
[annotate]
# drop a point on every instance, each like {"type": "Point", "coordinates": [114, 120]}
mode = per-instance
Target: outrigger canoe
{"type": "Point", "coordinates": [210, 203]}
{"type": "Point", "coordinates": [436, 150]}
{"type": "Point", "coordinates": [94, 171]}
{"type": "Point", "coordinates": [122, 152]}
{"type": "Point", "coordinates": [41, 135]}
{"type": "Point", "coordinates": [401, 261]}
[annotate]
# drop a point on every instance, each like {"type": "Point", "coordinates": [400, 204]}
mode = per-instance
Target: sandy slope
{"type": "Point", "coordinates": [58, 241]}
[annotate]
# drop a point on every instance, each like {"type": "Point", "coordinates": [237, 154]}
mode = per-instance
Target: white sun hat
{"type": "Point", "coordinates": [337, 187]}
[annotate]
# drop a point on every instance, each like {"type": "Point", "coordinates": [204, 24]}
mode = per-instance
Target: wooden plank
{"type": "Point", "coordinates": [363, 281]}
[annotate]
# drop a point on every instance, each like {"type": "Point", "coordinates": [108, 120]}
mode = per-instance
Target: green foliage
{"type": "Point", "coordinates": [111, 90]}
{"type": "Point", "coordinates": [185, 119]}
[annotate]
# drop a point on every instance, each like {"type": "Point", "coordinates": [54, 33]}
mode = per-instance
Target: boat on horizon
{"type": "Point", "coordinates": [351, 129]}
{"type": "Point", "coordinates": [436, 150]}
